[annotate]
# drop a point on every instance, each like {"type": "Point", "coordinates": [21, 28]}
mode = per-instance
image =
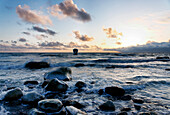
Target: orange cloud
{"type": "Point", "coordinates": [112, 33]}
{"type": "Point", "coordinates": [82, 37]}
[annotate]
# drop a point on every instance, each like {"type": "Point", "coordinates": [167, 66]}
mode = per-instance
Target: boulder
{"type": "Point", "coordinates": [126, 97]}
{"type": "Point", "coordinates": [60, 74]}
{"type": "Point", "coordinates": [80, 84]}
{"type": "Point", "coordinates": [79, 65]}
{"type": "Point", "coordinates": [122, 113]}
{"type": "Point", "coordinates": [126, 109]}
{"type": "Point", "coordinates": [72, 103]}
{"type": "Point", "coordinates": [50, 105]}
{"type": "Point", "coordinates": [37, 65]}
{"type": "Point", "coordinates": [56, 85]}
{"type": "Point", "coordinates": [107, 106]}
{"type": "Point", "coordinates": [164, 57]}
{"type": "Point", "coordinates": [13, 94]}
{"type": "Point", "coordinates": [32, 97]}
{"type": "Point", "coordinates": [31, 82]}
{"type": "Point", "coordinates": [35, 111]}
{"type": "Point", "coordinates": [168, 69]}
{"type": "Point", "coordinates": [100, 92]}
{"type": "Point", "coordinates": [74, 111]}
{"type": "Point", "coordinates": [115, 91]}
{"type": "Point", "coordinates": [137, 107]}
{"type": "Point", "coordinates": [140, 101]}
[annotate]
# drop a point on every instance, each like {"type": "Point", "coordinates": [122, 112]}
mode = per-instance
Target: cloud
{"type": "Point", "coordinates": [13, 41]}
{"type": "Point", "coordinates": [112, 33]}
{"type": "Point", "coordinates": [82, 37]}
{"type": "Point", "coordinates": [51, 44]}
{"type": "Point", "coordinates": [31, 16]}
{"type": "Point", "coordinates": [22, 40]}
{"type": "Point", "coordinates": [149, 47]}
{"type": "Point", "coordinates": [47, 31]}
{"type": "Point", "coordinates": [69, 9]}
{"type": "Point", "coordinates": [26, 33]}
{"type": "Point", "coordinates": [40, 37]}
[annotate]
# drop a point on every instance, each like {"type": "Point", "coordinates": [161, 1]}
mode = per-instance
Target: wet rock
{"type": "Point", "coordinates": [50, 105]}
{"type": "Point", "coordinates": [80, 84]}
{"type": "Point", "coordinates": [79, 65]}
{"type": "Point", "coordinates": [140, 101]}
{"type": "Point", "coordinates": [45, 83]}
{"type": "Point", "coordinates": [143, 113]}
{"type": "Point", "coordinates": [122, 113]}
{"type": "Point", "coordinates": [115, 91]}
{"type": "Point", "coordinates": [35, 111]}
{"type": "Point", "coordinates": [126, 109]}
{"type": "Point", "coordinates": [9, 88]}
{"type": "Point", "coordinates": [31, 82]}
{"type": "Point", "coordinates": [72, 103]}
{"type": "Point", "coordinates": [108, 106]}
{"type": "Point", "coordinates": [126, 97]}
{"type": "Point", "coordinates": [60, 74]}
{"type": "Point", "coordinates": [37, 65]}
{"type": "Point", "coordinates": [32, 98]}
{"type": "Point", "coordinates": [74, 111]}
{"type": "Point", "coordinates": [168, 69]}
{"type": "Point", "coordinates": [100, 92]}
{"type": "Point", "coordinates": [75, 51]}
{"type": "Point", "coordinates": [56, 85]}
{"type": "Point", "coordinates": [165, 57]}
{"type": "Point", "coordinates": [13, 94]}
{"type": "Point", "coordinates": [137, 107]}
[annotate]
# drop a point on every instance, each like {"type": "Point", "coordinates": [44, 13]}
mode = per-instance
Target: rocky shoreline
{"type": "Point", "coordinates": [58, 98]}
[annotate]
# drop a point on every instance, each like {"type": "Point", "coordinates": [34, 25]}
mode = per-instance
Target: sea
{"type": "Point", "coordinates": [140, 74]}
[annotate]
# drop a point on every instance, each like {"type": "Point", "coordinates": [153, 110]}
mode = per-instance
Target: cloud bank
{"type": "Point", "coordinates": [22, 40]}
{"type": "Point", "coordinates": [82, 37]}
{"type": "Point", "coordinates": [47, 31]}
{"type": "Point", "coordinates": [31, 16]}
{"type": "Point", "coordinates": [69, 9]}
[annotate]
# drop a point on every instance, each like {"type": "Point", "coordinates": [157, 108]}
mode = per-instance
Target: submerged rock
{"type": "Point", "coordinates": [137, 107]}
{"type": "Point", "coordinates": [168, 69]}
{"type": "Point", "coordinates": [32, 97]}
{"type": "Point", "coordinates": [80, 84]}
{"type": "Point", "coordinates": [50, 105]}
{"type": "Point", "coordinates": [56, 85]}
{"type": "Point", "coordinates": [164, 57]}
{"type": "Point", "coordinates": [37, 65]}
{"type": "Point", "coordinates": [72, 103]}
{"type": "Point", "coordinates": [13, 94]}
{"type": "Point", "coordinates": [74, 111]}
{"type": "Point", "coordinates": [60, 73]}
{"type": "Point", "coordinates": [126, 109]}
{"type": "Point", "coordinates": [79, 65]}
{"type": "Point", "coordinates": [115, 91]}
{"type": "Point", "coordinates": [100, 92]}
{"type": "Point", "coordinates": [140, 101]}
{"type": "Point", "coordinates": [45, 83]}
{"type": "Point", "coordinates": [108, 106]}
{"type": "Point", "coordinates": [35, 111]}
{"type": "Point", "coordinates": [126, 97]}
{"type": "Point", "coordinates": [122, 113]}
{"type": "Point", "coordinates": [31, 82]}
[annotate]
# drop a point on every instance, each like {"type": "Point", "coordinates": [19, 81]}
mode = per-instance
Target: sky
{"type": "Point", "coordinates": [89, 25]}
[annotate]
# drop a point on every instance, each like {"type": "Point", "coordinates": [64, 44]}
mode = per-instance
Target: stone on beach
{"type": "Point", "coordinates": [140, 101]}
{"type": "Point", "coordinates": [107, 106]}
{"type": "Point", "coordinates": [80, 84]}
{"type": "Point", "coordinates": [60, 74]}
{"type": "Point", "coordinates": [56, 85]}
{"type": "Point", "coordinates": [50, 105]}
{"type": "Point", "coordinates": [37, 65]}
{"type": "Point", "coordinates": [74, 111]}
{"type": "Point", "coordinates": [115, 91]}
{"type": "Point", "coordinates": [13, 94]}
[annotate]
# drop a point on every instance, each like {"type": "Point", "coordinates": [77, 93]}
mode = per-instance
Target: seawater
{"type": "Point", "coordinates": [141, 75]}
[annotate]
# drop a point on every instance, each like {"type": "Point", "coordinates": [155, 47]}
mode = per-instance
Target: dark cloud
{"type": "Point", "coordinates": [13, 41]}
{"type": "Point", "coordinates": [1, 40]}
{"type": "Point", "coordinates": [31, 16]}
{"type": "Point", "coordinates": [69, 9]}
{"type": "Point", "coordinates": [51, 44]}
{"type": "Point", "coordinates": [82, 37]}
{"type": "Point", "coordinates": [26, 33]}
{"type": "Point", "coordinates": [22, 40]}
{"type": "Point", "coordinates": [149, 47]}
{"type": "Point", "coordinates": [47, 31]}
{"type": "Point", "coordinates": [112, 33]}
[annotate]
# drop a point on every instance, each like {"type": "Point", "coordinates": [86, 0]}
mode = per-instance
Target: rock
{"type": "Point", "coordinates": [164, 57]}
{"type": "Point", "coordinates": [72, 103]}
{"type": "Point", "coordinates": [122, 113]}
{"type": "Point", "coordinates": [45, 83]}
{"type": "Point", "coordinates": [80, 84]}
{"type": "Point", "coordinates": [140, 101]}
{"type": "Point", "coordinates": [35, 111]}
{"type": "Point", "coordinates": [74, 111]}
{"type": "Point", "coordinates": [126, 109]}
{"type": "Point", "coordinates": [108, 106]}
{"type": "Point", "coordinates": [50, 105]}
{"type": "Point", "coordinates": [143, 113]}
{"type": "Point", "coordinates": [37, 65]}
{"type": "Point", "coordinates": [126, 97]}
{"type": "Point", "coordinates": [115, 91]}
{"type": "Point", "coordinates": [32, 97]}
{"type": "Point", "coordinates": [75, 51]}
{"type": "Point", "coordinates": [168, 69]}
{"type": "Point", "coordinates": [13, 94]}
{"type": "Point", "coordinates": [100, 92]}
{"type": "Point", "coordinates": [56, 85]}
{"type": "Point", "coordinates": [137, 107]}
{"type": "Point", "coordinates": [60, 74]}
{"type": "Point", "coordinates": [79, 65]}
{"type": "Point", "coordinates": [31, 82]}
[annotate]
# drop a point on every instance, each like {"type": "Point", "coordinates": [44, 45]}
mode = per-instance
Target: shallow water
{"type": "Point", "coordinates": [139, 74]}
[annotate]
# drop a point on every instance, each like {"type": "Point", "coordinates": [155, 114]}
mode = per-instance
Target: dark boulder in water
{"type": "Point", "coordinates": [31, 82]}
{"type": "Point", "coordinates": [60, 74]}
{"type": "Point", "coordinates": [126, 97]}
{"type": "Point", "coordinates": [107, 106]}
{"type": "Point", "coordinates": [137, 107]}
{"type": "Point", "coordinates": [168, 69]}
{"type": "Point", "coordinates": [75, 51]}
{"type": "Point", "coordinates": [140, 101]}
{"type": "Point", "coordinates": [37, 65]}
{"type": "Point", "coordinates": [100, 92]}
{"type": "Point", "coordinates": [122, 113]}
{"type": "Point", "coordinates": [165, 57]}
{"type": "Point", "coordinates": [80, 84]}
{"type": "Point", "coordinates": [115, 91]}
{"type": "Point", "coordinates": [13, 94]}
{"type": "Point", "coordinates": [56, 85]}
{"type": "Point", "coordinates": [79, 65]}
{"type": "Point", "coordinates": [126, 109]}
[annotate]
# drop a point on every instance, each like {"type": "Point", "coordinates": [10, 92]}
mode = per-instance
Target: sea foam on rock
{"type": "Point", "coordinates": [60, 74]}
{"type": "Point", "coordinates": [50, 105]}
{"type": "Point", "coordinates": [74, 111]}
{"type": "Point", "coordinates": [56, 85]}
{"type": "Point", "coordinates": [13, 94]}
{"type": "Point", "coordinates": [115, 91]}
{"type": "Point", "coordinates": [37, 65]}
